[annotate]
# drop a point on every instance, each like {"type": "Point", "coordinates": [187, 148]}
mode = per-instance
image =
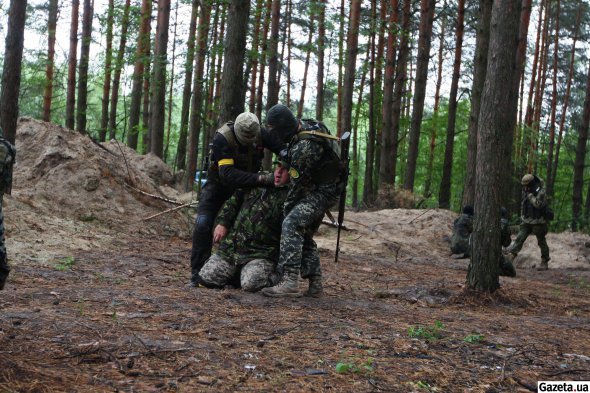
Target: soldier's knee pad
{"type": "Point", "coordinates": [204, 223]}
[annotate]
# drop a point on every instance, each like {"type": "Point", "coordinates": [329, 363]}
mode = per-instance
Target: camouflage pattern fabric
{"type": "Point", "coordinates": [4, 268]}
{"type": "Point", "coordinates": [539, 230]}
{"type": "Point", "coordinates": [7, 154]}
{"type": "Point", "coordinates": [505, 235]}
{"type": "Point", "coordinates": [507, 268]}
{"type": "Point", "coordinates": [254, 218]}
{"type": "Point", "coordinates": [462, 228]}
{"type": "Point", "coordinates": [255, 275]}
{"type": "Point", "coordinates": [304, 209]}
{"type": "Point", "coordinates": [533, 206]}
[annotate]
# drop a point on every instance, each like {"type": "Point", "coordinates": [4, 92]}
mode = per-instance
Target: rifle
{"type": "Point", "coordinates": [344, 142]}
{"type": "Point", "coordinates": [204, 167]}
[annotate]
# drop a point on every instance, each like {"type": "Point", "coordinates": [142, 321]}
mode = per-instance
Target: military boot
{"type": "Point", "coordinates": [316, 289]}
{"type": "Point", "coordinates": [287, 287]}
{"type": "Point", "coordinates": [544, 264]}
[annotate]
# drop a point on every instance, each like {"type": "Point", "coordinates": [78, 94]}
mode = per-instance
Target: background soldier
{"type": "Point", "coordinates": [462, 228]}
{"type": "Point", "coordinates": [236, 156]}
{"type": "Point", "coordinates": [249, 230]}
{"type": "Point", "coordinates": [533, 208]}
{"type": "Point", "coordinates": [7, 154]}
{"type": "Point", "coordinates": [506, 266]}
{"type": "Point", "coordinates": [315, 187]}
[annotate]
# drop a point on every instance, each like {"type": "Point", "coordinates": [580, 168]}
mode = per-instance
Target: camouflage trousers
{"type": "Point", "coordinates": [299, 251]}
{"type": "Point", "coordinates": [254, 275]}
{"type": "Point", "coordinates": [539, 230]}
{"type": "Point", "coordinates": [4, 268]}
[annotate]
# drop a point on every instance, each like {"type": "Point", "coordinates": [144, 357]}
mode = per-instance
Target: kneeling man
{"type": "Point", "coordinates": [249, 229]}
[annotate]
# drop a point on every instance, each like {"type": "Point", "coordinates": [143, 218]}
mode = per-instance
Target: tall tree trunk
{"type": "Point", "coordinates": [82, 103]}
{"type": "Point", "coordinates": [106, 87]}
{"type": "Point", "coordinates": [263, 53]}
{"type": "Point", "coordinates": [494, 140]}
{"type": "Point", "coordinates": [72, 63]}
{"type": "Point", "coordinates": [48, 93]}
{"type": "Point", "coordinates": [340, 66]}
{"type": "Point", "coordinates": [553, 115]}
{"type": "Point", "coordinates": [141, 58]}
{"type": "Point", "coordinates": [426, 18]}
{"type": "Point", "coordinates": [567, 96]}
{"type": "Point", "coordinates": [186, 90]}
{"type": "Point", "coordinates": [146, 115]}
{"type": "Point", "coordinates": [580, 160]}
{"type": "Point", "coordinates": [389, 142]}
{"type": "Point", "coordinates": [158, 97]}
{"type": "Point", "coordinates": [273, 59]}
{"type": "Point", "coordinates": [434, 128]}
{"type": "Point", "coordinates": [118, 69]}
{"type": "Point", "coordinates": [349, 71]}
{"type": "Point", "coordinates": [480, 62]}
{"type": "Point", "coordinates": [306, 68]}
{"type": "Point", "coordinates": [171, 90]}
{"type": "Point", "coordinates": [375, 114]}
{"type": "Point", "coordinates": [444, 198]}
{"type": "Point", "coordinates": [289, 43]}
{"type": "Point", "coordinates": [198, 85]}
{"type": "Point", "coordinates": [255, 54]}
{"type": "Point", "coordinates": [232, 102]}
{"type": "Point", "coordinates": [13, 54]}
{"type": "Point", "coordinates": [319, 107]}
{"type": "Point", "coordinates": [214, 113]}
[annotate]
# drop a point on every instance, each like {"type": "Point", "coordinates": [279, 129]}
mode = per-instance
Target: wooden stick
{"type": "Point", "coordinates": [155, 196]}
{"type": "Point", "coordinates": [334, 225]}
{"type": "Point", "coordinates": [168, 211]}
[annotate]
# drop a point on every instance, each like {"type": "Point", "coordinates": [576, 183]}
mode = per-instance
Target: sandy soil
{"type": "Point", "coordinates": [97, 299]}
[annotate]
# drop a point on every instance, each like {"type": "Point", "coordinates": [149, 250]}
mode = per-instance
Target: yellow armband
{"type": "Point", "coordinates": [225, 161]}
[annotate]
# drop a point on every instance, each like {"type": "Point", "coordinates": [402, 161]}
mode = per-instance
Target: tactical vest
{"type": "Point", "coordinates": [248, 158]}
{"type": "Point", "coordinates": [331, 166]}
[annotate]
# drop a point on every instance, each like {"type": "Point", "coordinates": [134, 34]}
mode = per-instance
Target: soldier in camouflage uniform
{"type": "Point", "coordinates": [249, 227]}
{"type": "Point", "coordinates": [533, 208]}
{"type": "Point", "coordinates": [316, 183]}
{"type": "Point", "coordinates": [462, 228]}
{"type": "Point", "coordinates": [7, 155]}
{"type": "Point", "coordinates": [236, 156]}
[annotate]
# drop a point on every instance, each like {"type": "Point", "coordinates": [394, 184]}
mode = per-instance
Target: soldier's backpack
{"type": "Point", "coordinates": [7, 155]}
{"type": "Point", "coordinates": [332, 167]}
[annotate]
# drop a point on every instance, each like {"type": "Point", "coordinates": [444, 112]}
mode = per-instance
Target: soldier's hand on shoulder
{"type": "Point", "coordinates": [266, 180]}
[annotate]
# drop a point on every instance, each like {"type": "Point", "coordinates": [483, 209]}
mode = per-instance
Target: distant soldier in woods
{"type": "Point", "coordinates": [462, 228]}
{"type": "Point", "coordinates": [236, 156]}
{"type": "Point", "coordinates": [534, 215]}
{"type": "Point", "coordinates": [249, 229]}
{"type": "Point", "coordinates": [506, 266]}
{"type": "Point", "coordinates": [316, 182]}
{"type": "Point", "coordinates": [7, 154]}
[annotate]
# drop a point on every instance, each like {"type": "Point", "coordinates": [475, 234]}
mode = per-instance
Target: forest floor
{"type": "Point", "coordinates": [97, 299]}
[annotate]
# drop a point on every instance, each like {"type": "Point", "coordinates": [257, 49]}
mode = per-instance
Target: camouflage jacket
{"type": "Point", "coordinates": [533, 206]}
{"type": "Point", "coordinates": [254, 218]}
{"type": "Point", "coordinates": [305, 157]}
{"type": "Point", "coordinates": [505, 232]}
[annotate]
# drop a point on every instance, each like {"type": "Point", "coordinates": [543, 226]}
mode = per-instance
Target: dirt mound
{"type": "Point", "coordinates": [65, 174]}
{"type": "Point", "coordinates": [568, 250]}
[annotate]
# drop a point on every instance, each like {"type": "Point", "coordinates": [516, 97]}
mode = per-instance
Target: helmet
{"type": "Point", "coordinates": [527, 179]}
{"type": "Point", "coordinates": [281, 119]}
{"type": "Point", "coordinates": [247, 128]}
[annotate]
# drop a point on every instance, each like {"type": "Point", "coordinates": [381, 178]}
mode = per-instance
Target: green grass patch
{"type": "Point", "coordinates": [65, 264]}
{"type": "Point", "coordinates": [428, 333]}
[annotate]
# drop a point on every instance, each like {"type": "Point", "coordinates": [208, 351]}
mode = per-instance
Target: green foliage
{"type": "Point", "coordinates": [428, 333]}
{"type": "Point", "coordinates": [65, 264]}
{"type": "Point", "coordinates": [473, 338]}
{"type": "Point", "coordinates": [422, 385]}
{"type": "Point", "coordinates": [355, 366]}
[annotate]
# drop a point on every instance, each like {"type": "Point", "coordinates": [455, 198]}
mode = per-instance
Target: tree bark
{"type": "Point", "coordinates": [321, 43]}
{"type": "Point", "coordinates": [553, 115]}
{"type": "Point", "coordinates": [255, 54]}
{"type": "Point", "coordinates": [117, 76]}
{"type": "Point", "coordinates": [196, 104]}
{"type": "Point", "coordinates": [480, 62]}
{"type": "Point", "coordinates": [272, 96]}
{"type": "Point", "coordinates": [82, 104]}
{"type": "Point", "coordinates": [106, 87]}
{"type": "Point", "coordinates": [444, 198]}
{"type": "Point", "coordinates": [289, 42]}
{"type": "Point", "coordinates": [186, 90]}
{"type": "Point", "coordinates": [263, 53]}
{"type": "Point", "coordinates": [141, 58]}
{"type": "Point", "coordinates": [389, 141]}
{"type": "Point", "coordinates": [72, 63]}
{"type": "Point", "coordinates": [340, 65]}
{"type": "Point", "coordinates": [13, 54]}
{"type": "Point", "coordinates": [580, 160]}
{"type": "Point", "coordinates": [51, 27]}
{"type": "Point", "coordinates": [158, 93]}
{"type": "Point", "coordinates": [306, 67]}
{"type": "Point", "coordinates": [494, 140]}
{"type": "Point", "coordinates": [171, 88]}
{"type": "Point", "coordinates": [349, 72]}
{"type": "Point", "coordinates": [424, 39]}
